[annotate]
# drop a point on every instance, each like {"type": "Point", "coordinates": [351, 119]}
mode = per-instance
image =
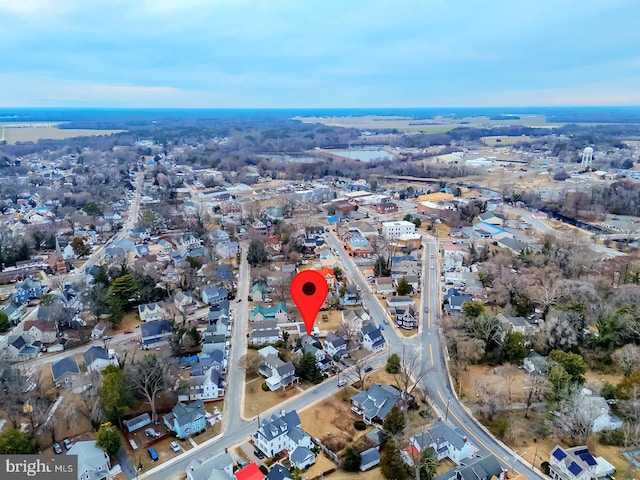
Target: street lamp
{"type": "Point", "coordinates": [446, 415]}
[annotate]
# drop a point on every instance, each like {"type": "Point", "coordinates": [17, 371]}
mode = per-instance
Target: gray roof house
{"type": "Point", "coordinates": [96, 358]}
{"type": "Point", "coordinates": [278, 472]}
{"type": "Point", "coordinates": [335, 345]}
{"type": "Point", "coordinates": [375, 403]}
{"type": "Point", "coordinates": [214, 295]}
{"type": "Point", "coordinates": [152, 311]}
{"type": "Point", "coordinates": [219, 467]}
{"type": "Point", "coordinates": [282, 432]}
{"type": "Point", "coordinates": [137, 422]}
{"type": "Point", "coordinates": [64, 368]}
{"type": "Point", "coordinates": [93, 462]}
{"type": "Point", "coordinates": [372, 338]}
{"type": "Point", "coordinates": [369, 459]}
{"type": "Point", "coordinates": [479, 468]}
{"type": "Point", "coordinates": [302, 457]}
{"type": "Point", "coordinates": [155, 333]}
{"type": "Point", "coordinates": [445, 441]}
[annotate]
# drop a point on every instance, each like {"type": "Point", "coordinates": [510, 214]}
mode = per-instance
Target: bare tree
{"type": "Point", "coordinates": [469, 350]}
{"type": "Point", "coordinates": [357, 372]}
{"type": "Point", "coordinates": [250, 364]}
{"type": "Point", "coordinates": [577, 414]}
{"type": "Point", "coordinates": [412, 371]}
{"type": "Point", "coordinates": [148, 377]}
{"type": "Point", "coordinates": [535, 385]}
{"type": "Point", "coordinates": [510, 373]}
{"type": "Point", "coordinates": [628, 358]}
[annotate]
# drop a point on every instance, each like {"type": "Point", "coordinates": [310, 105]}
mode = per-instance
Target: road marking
{"type": "Point", "coordinates": [472, 434]}
{"type": "Point", "coordinates": [431, 354]}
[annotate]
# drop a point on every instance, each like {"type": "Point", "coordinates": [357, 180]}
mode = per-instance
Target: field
{"type": "Point", "coordinates": [51, 131]}
{"type": "Point", "coordinates": [505, 140]}
{"type": "Point", "coordinates": [434, 125]}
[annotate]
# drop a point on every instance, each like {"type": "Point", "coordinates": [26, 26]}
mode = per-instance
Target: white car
{"type": "Point", "coordinates": [174, 446]}
{"type": "Point", "coordinates": [342, 382]}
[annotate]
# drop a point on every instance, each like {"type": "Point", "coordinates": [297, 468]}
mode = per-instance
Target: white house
{"type": "Point", "coordinates": [93, 462]}
{"type": "Point", "coordinates": [209, 386]}
{"type": "Point", "coordinates": [335, 346]}
{"type": "Point", "coordinates": [384, 286]}
{"type": "Point", "coordinates": [96, 359]}
{"type": "Point", "coordinates": [372, 338]}
{"type": "Point", "coordinates": [577, 463]}
{"type": "Point", "coordinates": [445, 441]}
{"type": "Point", "coordinates": [605, 420]}
{"type": "Point", "coordinates": [281, 432]}
{"type": "Point", "coordinates": [227, 250]}
{"type": "Point", "coordinates": [277, 373]}
{"type": "Point", "coordinates": [392, 230]}
{"type": "Point", "coordinates": [214, 468]}
{"type": "Point", "coordinates": [149, 312]}
{"type": "Point", "coordinates": [41, 330]}
{"type": "Point", "coordinates": [353, 320]}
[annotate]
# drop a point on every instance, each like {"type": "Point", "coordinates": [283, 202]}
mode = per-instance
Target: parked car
{"type": "Point", "coordinates": [57, 448]}
{"type": "Point", "coordinates": [342, 382]}
{"type": "Point", "coordinates": [368, 368]}
{"type": "Point", "coordinates": [67, 443]}
{"type": "Point", "coordinates": [258, 454]}
{"type": "Point", "coordinates": [174, 446]}
{"type": "Point", "coordinates": [153, 454]}
{"type": "Point", "coordinates": [150, 432]}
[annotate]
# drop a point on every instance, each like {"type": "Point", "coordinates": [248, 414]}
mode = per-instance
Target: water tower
{"type": "Point", "coordinates": [587, 157]}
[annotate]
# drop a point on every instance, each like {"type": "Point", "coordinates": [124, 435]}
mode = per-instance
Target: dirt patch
{"type": "Point", "coordinates": [482, 381]}
{"type": "Point", "coordinates": [257, 400]}
{"type": "Point", "coordinates": [596, 380]}
{"type": "Point", "coordinates": [323, 464]}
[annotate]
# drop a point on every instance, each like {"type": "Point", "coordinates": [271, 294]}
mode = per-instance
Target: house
{"type": "Point", "coordinates": [57, 264]}
{"type": "Point", "coordinates": [302, 457]}
{"type": "Point", "coordinates": [276, 312]}
{"type": "Point", "coordinates": [400, 301]}
{"type": "Point", "coordinates": [261, 335]}
{"type": "Point", "coordinates": [513, 245]}
{"type": "Point", "coordinates": [65, 367]}
{"type": "Point", "coordinates": [454, 257]}
{"type": "Point", "coordinates": [407, 317]}
{"type": "Point", "coordinates": [219, 312]}
{"type": "Point", "coordinates": [369, 459]}
{"type": "Point", "coordinates": [534, 363]}
{"type": "Point", "coordinates": [455, 301]}
{"type": "Point", "coordinates": [41, 330]}
{"type": "Point", "coordinates": [515, 324]}
{"type": "Point", "coordinates": [279, 374]}
{"type": "Point", "coordinates": [372, 338]}
{"type": "Point", "coordinates": [604, 419]}
{"type": "Point", "coordinates": [150, 312]}
{"type": "Point", "coordinates": [353, 320]}
{"type": "Point", "coordinates": [219, 467]}
{"type": "Point", "coordinates": [156, 333]}
{"type": "Point", "coordinates": [28, 289]}
{"type": "Point", "coordinates": [392, 230]}
{"type": "Point", "coordinates": [213, 342]}
{"type": "Point", "coordinates": [384, 286]}
{"type": "Point", "coordinates": [335, 346]}
{"type": "Point", "coordinates": [351, 296]}
{"type": "Point", "coordinates": [209, 386]}
{"type": "Point", "coordinates": [137, 423]}
{"type": "Point", "coordinates": [21, 347]}
{"type": "Point", "coordinates": [249, 472]}
{"type": "Point", "coordinates": [375, 403]}
{"type": "Point", "coordinates": [183, 301]}
{"type": "Point", "coordinates": [258, 292]}
{"type": "Point", "coordinates": [96, 359]}
{"type": "Point", "coordinates": [214, 295]}
{"type": "Point", "coordinates": [93, 461]}
{"type": "Point", "coordinates": [491, 218]}
{"type": "Point", "coordinates": [445, 441]}
{"type": "Point", "coordinates": [186, 419]}
{"type": "Point", "coordinates": [577, 463]}
{"type": "Point", "coordinates": [282, 432]}
{"type": "Point", "coordinates": [322, 360]}
{"type": "Point", "coordinates": [478, 468]}
{"type": "Point", "coordinates": [227, 250]}
{"type": "Point", "coordinates": [329, 276]}
{"type": "Point", "coordinates": [278, 472]}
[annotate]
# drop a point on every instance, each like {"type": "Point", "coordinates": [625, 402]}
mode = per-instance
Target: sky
{"type": "Point", "coordinates": [318, 53]}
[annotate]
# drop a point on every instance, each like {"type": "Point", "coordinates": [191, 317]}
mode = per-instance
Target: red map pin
{"type": "Point", "coordinates": [309, 290]}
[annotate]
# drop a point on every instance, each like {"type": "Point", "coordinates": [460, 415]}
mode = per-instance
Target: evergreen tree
{"type": "Point", "coordinates": [16, 442]}
{"type": "Point", "coordinates": [391, 464]}
{"type": "Point", "coordinates": [403, 287]}
{"type": "Point", "coordinates": [109, 439]}
{"type": "Point", "coordinates": [115, 393]}
{"type": "Point", "coordinates": [351, 459]}
{"type": "Point", "coordinates": [394, 422]}
{"type": "Point", "coordinates": [393, 364]}
{"type": "Point", "coordinates": [308, 368]}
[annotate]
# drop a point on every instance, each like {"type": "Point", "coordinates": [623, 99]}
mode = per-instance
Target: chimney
{"type": "Point", "coordinates": [464, 439]}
